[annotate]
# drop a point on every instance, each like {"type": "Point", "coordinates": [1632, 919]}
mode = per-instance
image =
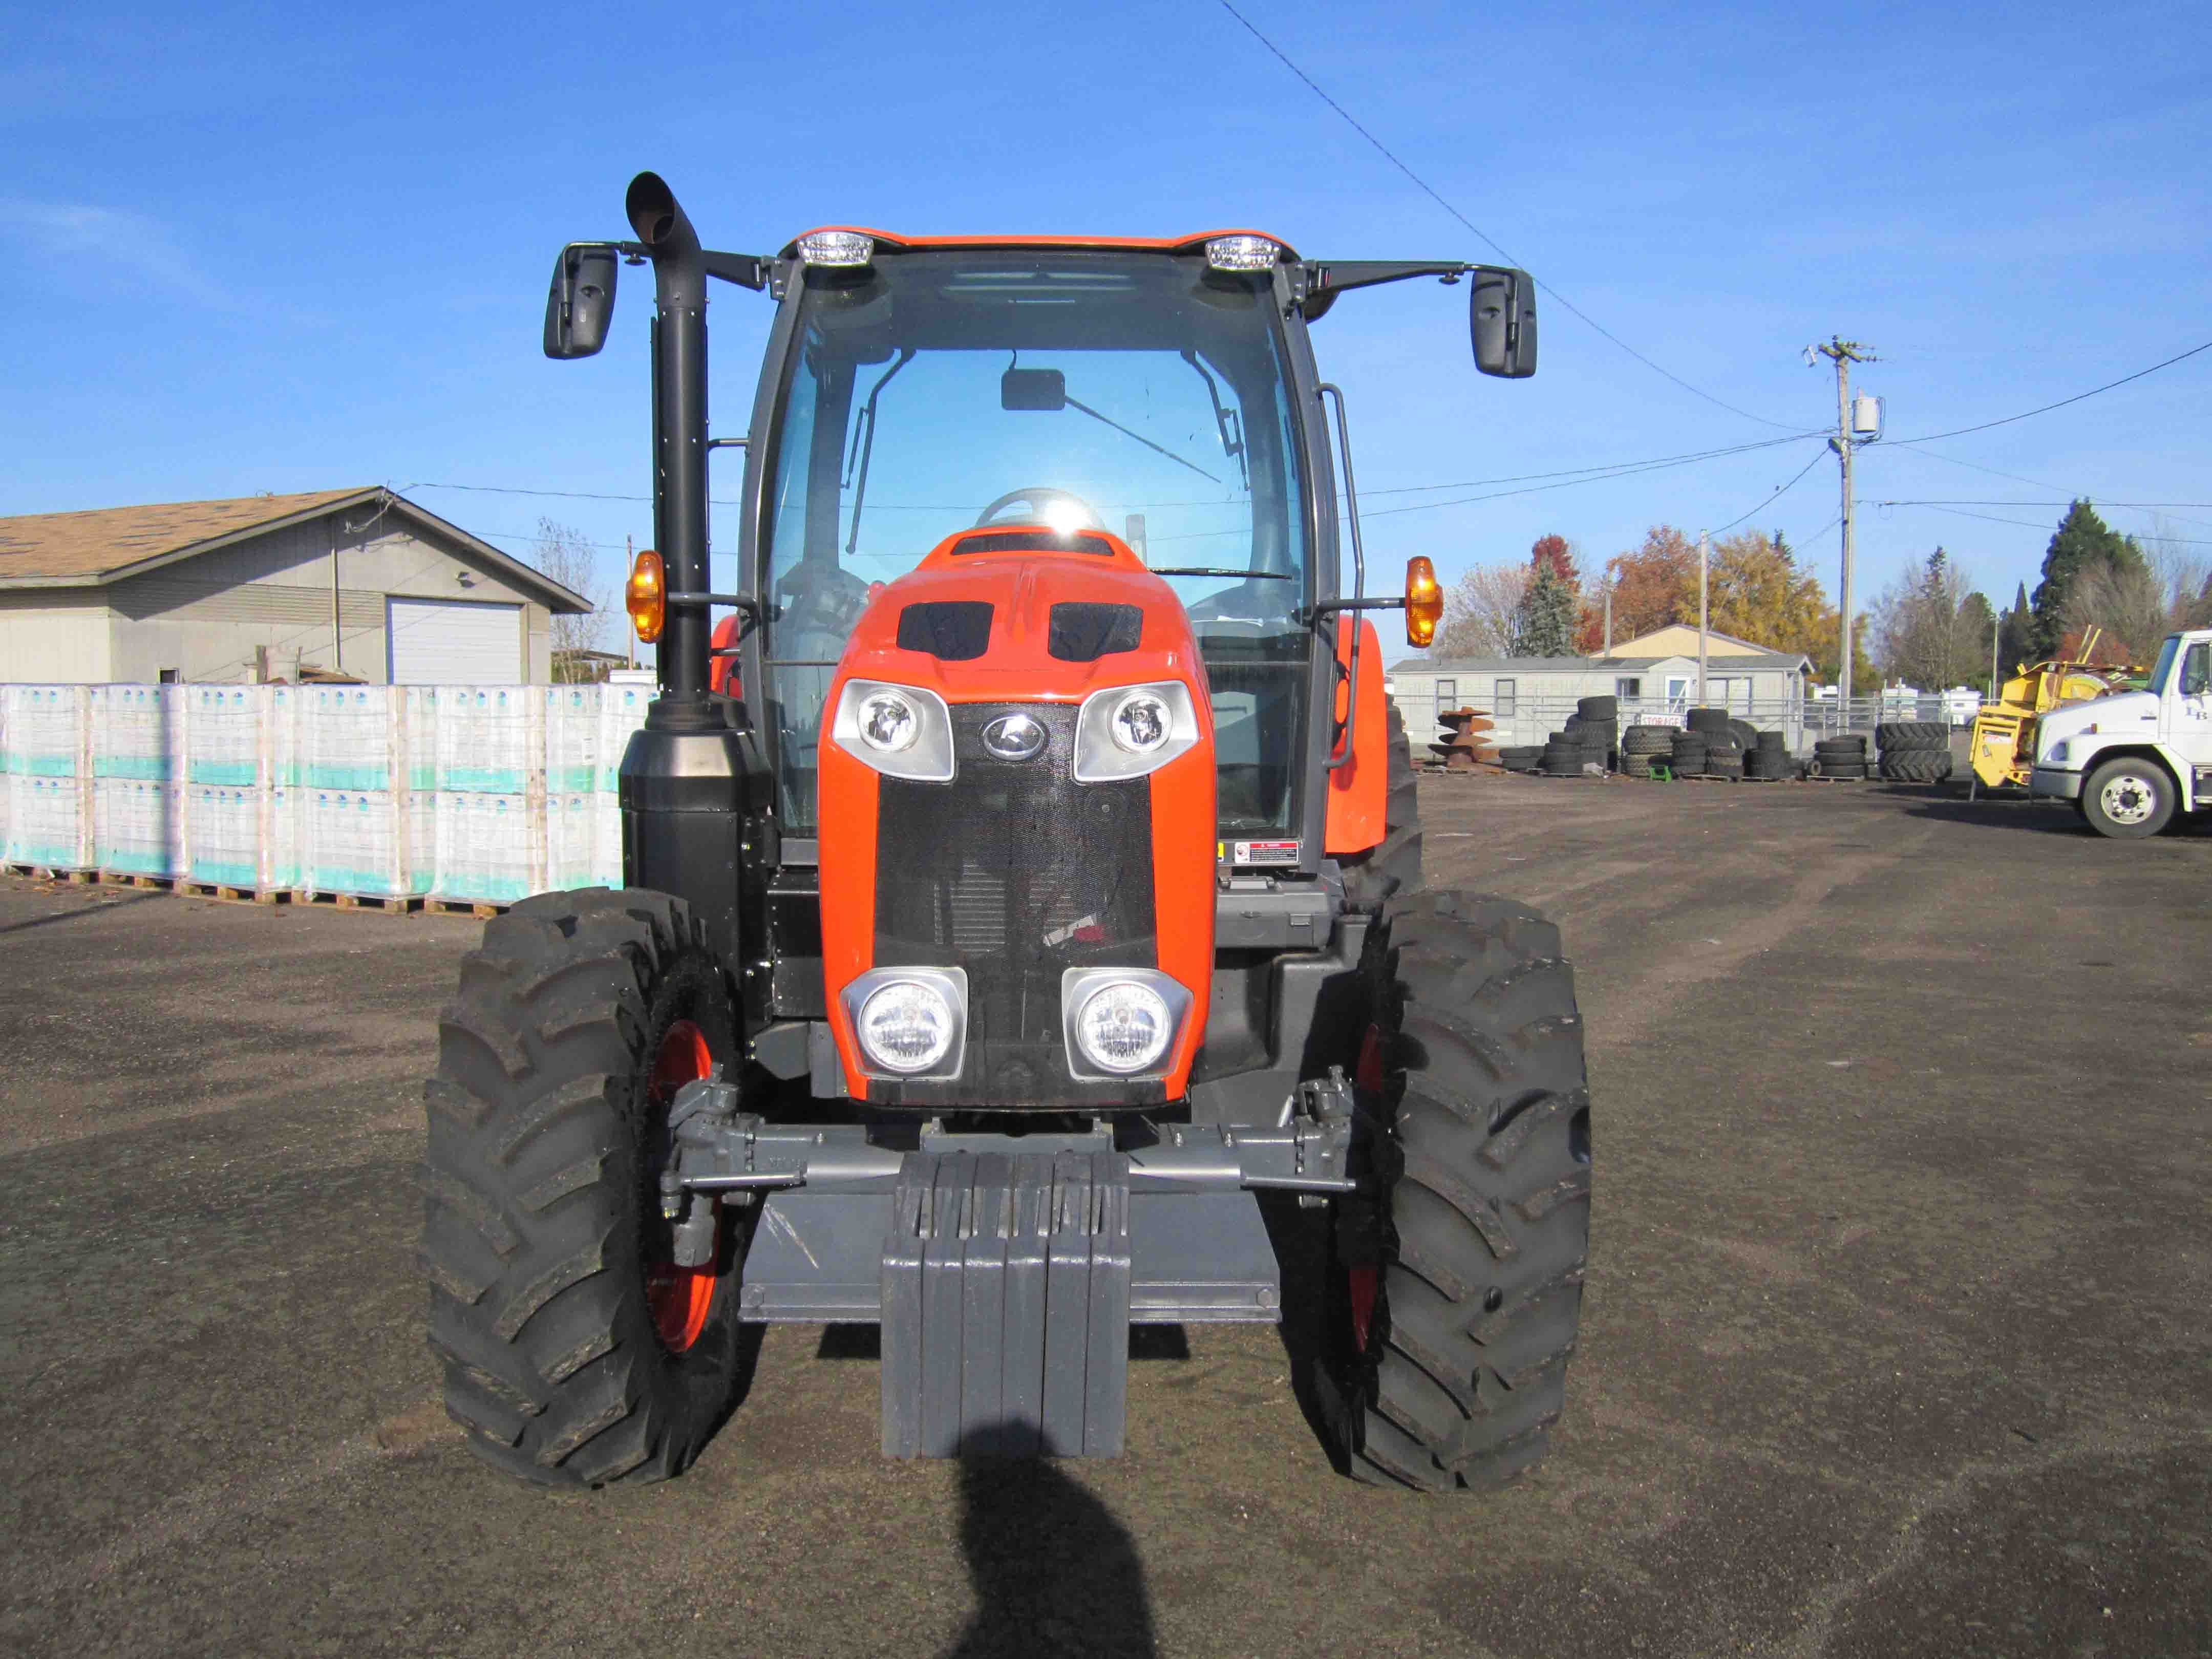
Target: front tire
{"type": "Point", "coordinates": [574, 1353]}
{"type": "Point", "coordinates": [1458, 1365]}
{"type": "Point", "coordinates": [2129, 798]}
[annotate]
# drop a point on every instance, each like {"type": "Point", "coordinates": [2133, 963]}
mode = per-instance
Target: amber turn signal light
{"type": "Point", "coordinates": [645, 595]}
{"type": "Point", "coordinates": [1424, 602]}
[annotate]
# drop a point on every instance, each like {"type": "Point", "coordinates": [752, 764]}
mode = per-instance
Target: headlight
{"type": "Point", "coordinates": [909, 1022]}
{"type": "Point", "coordinates": [888, 722]}
{"type": "Point", "coordinates": [1128, 731]}
{"type": "Point", "coordinates": [2055, 755]}
{"type": "Point", "coordinates": [901, 731]}
{"type": "Point", "coordinates": [1121, 1022]}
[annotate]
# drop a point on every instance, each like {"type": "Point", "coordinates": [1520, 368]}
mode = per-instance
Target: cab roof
{"type": "Point", "coordinates": [1191, 243]}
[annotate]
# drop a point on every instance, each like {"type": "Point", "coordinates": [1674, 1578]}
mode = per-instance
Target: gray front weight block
{"type": "Point", "coordinates": [1005, 1305]}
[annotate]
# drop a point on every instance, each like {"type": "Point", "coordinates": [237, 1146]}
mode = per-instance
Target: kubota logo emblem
{"type": "Point", "coordinates": [1014, 737]}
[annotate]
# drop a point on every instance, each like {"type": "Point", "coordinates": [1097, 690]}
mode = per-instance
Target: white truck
{"type": "Point", "coordinates": [2131, 761]}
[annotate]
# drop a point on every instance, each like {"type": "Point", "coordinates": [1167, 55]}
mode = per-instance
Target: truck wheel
{"type": "Point", "coordinates": [1456, 1349]}
{"type": "Point", "coordinates": [1393, 865]}
{"type": "Point", "coordinates": [2128, 799]}
{"type": "Point", "coordinates": [576, 1352]}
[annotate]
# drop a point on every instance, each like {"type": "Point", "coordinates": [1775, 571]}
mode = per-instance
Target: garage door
{"type": "Point", "coordinates": [453, 642]}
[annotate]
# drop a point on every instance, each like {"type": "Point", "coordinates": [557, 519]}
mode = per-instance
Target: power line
{"type": "Point", "coordinates": [2027, 524]}
{"type": "Point", "coordinates": [1771, 500]}
{"type": "Point", "coordinates": [1959, 432]}
{"type": "Point", "coordinates": [1484, 236]}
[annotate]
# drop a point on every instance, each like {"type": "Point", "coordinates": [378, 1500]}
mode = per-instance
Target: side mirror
{"type": "Point", "coordinates": [1502, 318]}
{"type": "Point", "coordinates": [1044, 389]}
{"type": "Point", "coordinates": [581, 300]}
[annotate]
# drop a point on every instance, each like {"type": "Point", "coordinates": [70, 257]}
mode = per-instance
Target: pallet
{"type": "Point", "coordinates": [228, 895]}
{"type": "Point", "coordinates": [482, 909]}
{"type": "Point", "coordinates": [55, 872]}
{"type": "Point", "coordinates": [132, 879]}
{"type": "Point", "coordinates": [401, 905]}
{"type": "Point", "coordinates": [1824, 780]}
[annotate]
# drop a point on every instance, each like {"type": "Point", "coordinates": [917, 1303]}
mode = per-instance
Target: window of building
{"type": "Point", "coordinates": [1502, 699]}
{"type": "Point", "coordinates": [170, 676]}
{"type": "Point", "coordinates": [1629, 687]}
{"type": "Point", "coordinates": [1678, 691]}
{"type": "Point", "coordinates": [1447, 695]}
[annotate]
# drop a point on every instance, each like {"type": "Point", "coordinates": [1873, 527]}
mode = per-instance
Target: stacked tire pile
{"type": "Point", "coordinates": [1768, 756]}
{"type": "Point", "coordinates": [1724, 755]}
{"type": "Point", "coordinates": [1841, 757]}
{"type": "Point", "coordinates": [1913, 751]}
{"type": "Point", "coordinates": [1590, 737]}
{"type": "Point", "coordinates": [1640, 745]}
{"type": "Point", "coordinates": [1521, 758]}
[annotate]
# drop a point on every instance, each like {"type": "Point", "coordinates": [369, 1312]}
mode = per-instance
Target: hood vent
{"type": "Point", "coordinates": [950, 631]}
{"type": "Point", "coordinates": [1085, 633]}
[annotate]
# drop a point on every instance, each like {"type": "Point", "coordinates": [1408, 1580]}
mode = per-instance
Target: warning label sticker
{"type": "Point", "coordinates": [1264, 852]}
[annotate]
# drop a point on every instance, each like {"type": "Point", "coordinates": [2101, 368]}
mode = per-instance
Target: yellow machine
{"type": "Point", "coordinates": [2003, 746]}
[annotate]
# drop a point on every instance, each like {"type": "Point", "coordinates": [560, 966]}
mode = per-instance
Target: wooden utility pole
{"type": "Point", "coordinates": [1843, 353]}
{"type": "Point", "coordinates": [1704, 554]}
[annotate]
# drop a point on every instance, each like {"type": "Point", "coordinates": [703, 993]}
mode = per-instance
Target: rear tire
{"type": "Point", "coordinates": [1482, 1144]}
{"type": "Point", "coordinates": [1393, 865]}
{"type": "Point", "coordinates": [542, 1220]}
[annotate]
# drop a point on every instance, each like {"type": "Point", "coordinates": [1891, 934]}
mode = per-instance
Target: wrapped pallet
{"type": "Point", "coordinates": [489, 847]}
{"type": "Point", "coordinates": [48, 765]}
{"type": "Point", "coordinates": [138, 732]}
{"type": "Point", "coordinates": [572, 738]}
{"type": "Point", "coordinates": [367, 759]}
{"type": "Point", "coordinates": [572, 840]}
{"type": "Point", "coordinates": [139, 827]}
{"type": "Point", "coordinates": [622, 711]}
{"type": "Point", "coordinates": [370, 843]}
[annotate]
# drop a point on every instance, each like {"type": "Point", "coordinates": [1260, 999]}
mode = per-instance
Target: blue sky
{"type": "Point", "coordinates": [292, 248]}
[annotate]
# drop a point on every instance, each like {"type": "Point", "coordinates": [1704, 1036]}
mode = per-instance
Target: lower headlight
{"type": "Point", "coordinates": [906, 1025]}
{"type": "Point", "coordinates": [2055, 755]}
{"type": "Point", "coordinates": [1123, 1028]}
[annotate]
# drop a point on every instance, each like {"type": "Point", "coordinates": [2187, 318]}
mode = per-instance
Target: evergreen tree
{"type": "Point", "coordinates": [2016, 635]}
{"type": "Point", "coordinates": [2082, 541]}
{"type": "Point", "coordinates": [1546, 621]}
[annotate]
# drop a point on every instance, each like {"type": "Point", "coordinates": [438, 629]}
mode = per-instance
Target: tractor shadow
{"type": "Point", "coordinates": [2041, 818]}
{"type": "Point", "coordinates": [1053, 1571]}
{"type": "Point", "coordinates": [1301, 1241]}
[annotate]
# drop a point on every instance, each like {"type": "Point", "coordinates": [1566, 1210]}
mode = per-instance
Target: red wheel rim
{"type": "Point", "coordinates": [679, 1299]}
{"type": "Point", "coordinates": [1361, 1281]}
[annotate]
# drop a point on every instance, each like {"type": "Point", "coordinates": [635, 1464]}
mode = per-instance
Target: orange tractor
{"type": "Point", "coordinates": [1024, 931]}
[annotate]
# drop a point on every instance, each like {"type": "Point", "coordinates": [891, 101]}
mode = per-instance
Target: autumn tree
{"type": "Point", "coordinates": [2083, 542]}
{"type": "Point", "coordinates": [1482, 612]}
{"type": "Point", "coordinates": [1556, 552]}
{"type": "Point", "coordinates": [1756, 590]}
{"type": "Point", "coordinates": [1655, 585]}
{"type": "Point", "coordinates": [1546, 621]}
{"type": "Point", "coordinates": [2139, 602]}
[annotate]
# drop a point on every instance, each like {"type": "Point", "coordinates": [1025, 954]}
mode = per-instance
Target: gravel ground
{"type": "Point", "coordinates": [1896, 1341]}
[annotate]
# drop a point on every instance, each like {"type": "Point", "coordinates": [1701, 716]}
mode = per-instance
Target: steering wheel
{"type": "Point", "coordinates": [1040, 499]}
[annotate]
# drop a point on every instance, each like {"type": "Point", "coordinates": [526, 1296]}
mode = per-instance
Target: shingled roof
{"type": "Point", "coordinates": [105, 544]}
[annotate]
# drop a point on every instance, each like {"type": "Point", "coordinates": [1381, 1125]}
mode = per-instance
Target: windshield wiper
{"type": "Point", "coordinates": [1141, 439]}
{"type": "Point", "coordinates": [1232, 439]}
{"type": "Point", "coordinates": [868, 448]}
{"type": "Point", "coordinates": [1209, 570]}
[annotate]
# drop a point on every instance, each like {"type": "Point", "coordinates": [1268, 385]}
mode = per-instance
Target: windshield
{"type": "Point", "coordinates": [2163, 665]}
{"type": "Point", "coordinates": [1140, 393]}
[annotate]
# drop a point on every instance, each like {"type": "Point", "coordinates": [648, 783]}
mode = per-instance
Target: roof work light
{"type": "Point", "coordinates": [837, 247]}
{"type": "Point", "coordinates": [1243, 253]}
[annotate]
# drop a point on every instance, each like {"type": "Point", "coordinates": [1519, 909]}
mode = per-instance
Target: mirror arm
{"type": "Point", "coordinates": [745, 270]}
{"type": "Point", "coordinates": [1327, 278]}
{"type": "Point", "coordinates": [1330, 607]}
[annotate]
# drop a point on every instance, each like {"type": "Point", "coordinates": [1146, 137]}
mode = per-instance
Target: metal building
{"type": "Point", "coordinates": [356, 582]}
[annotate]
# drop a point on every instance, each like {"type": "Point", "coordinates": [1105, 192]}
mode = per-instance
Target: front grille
{"type": "Point", "coordinates": [1015, 872]}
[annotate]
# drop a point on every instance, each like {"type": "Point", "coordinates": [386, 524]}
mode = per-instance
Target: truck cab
{"type": "Point", "coordinates": [2131, 762]}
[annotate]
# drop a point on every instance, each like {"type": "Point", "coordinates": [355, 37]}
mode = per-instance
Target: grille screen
{"type": "Point", "coordinates": [1016, 873]}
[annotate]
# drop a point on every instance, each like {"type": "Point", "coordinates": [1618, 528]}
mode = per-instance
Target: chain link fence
{"type": "Point", "coordinates": [1530, 720]}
